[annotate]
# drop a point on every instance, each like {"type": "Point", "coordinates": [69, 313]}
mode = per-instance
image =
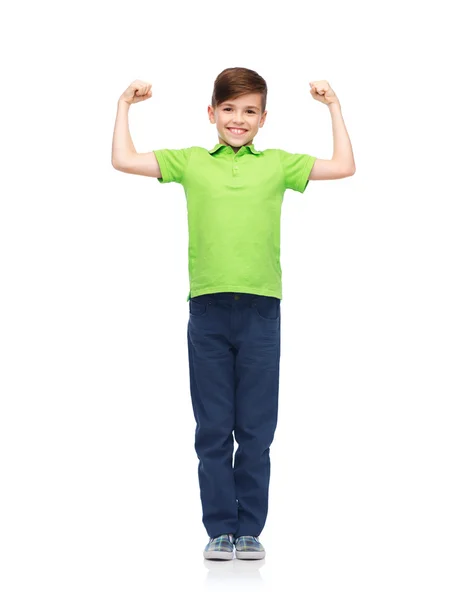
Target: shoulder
{"type": "Point", "coordinates": [283, 155]}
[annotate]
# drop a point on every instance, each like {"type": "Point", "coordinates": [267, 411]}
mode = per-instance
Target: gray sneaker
{"type": "Point", "coordinates": [249, 547]}
{"type": "Point", "coordinates": [220, 548]}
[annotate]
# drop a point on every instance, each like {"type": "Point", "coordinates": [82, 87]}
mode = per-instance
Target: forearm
{"type": "Point", "coordinates": [122, 143]}
{"type": "Point", "coordinates": [343, 153]}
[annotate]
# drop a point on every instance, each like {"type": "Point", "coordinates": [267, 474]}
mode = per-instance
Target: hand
{"type": "Point", "coordinates": [137, 92]}
{"type": "Point", "coordinates": [321, 90]}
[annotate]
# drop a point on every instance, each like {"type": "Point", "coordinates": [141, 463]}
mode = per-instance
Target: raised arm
{"type": "Point", "coordinates": [123, 154]}
{"type": "Point", "coordinates": [342, 163]}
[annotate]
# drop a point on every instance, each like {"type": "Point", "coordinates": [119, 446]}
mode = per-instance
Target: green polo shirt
{"type": "Point", "coordinates": [234, 209]}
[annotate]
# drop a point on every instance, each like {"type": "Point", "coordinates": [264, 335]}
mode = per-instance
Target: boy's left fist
{"type": "Point", "coordinates": [321, 90]}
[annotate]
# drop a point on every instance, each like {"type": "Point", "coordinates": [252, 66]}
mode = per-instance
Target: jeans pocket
{"type": "Point", "coordinates": [199, 306]}
{"type": "Point", "coordinates": [267, 307]}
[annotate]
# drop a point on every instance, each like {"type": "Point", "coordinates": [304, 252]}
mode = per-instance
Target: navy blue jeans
{"type": "Point", "coordinates": [234, 358]}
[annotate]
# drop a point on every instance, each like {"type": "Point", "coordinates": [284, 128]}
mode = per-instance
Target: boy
{"type": "Point", "coordinates": [234, 195]}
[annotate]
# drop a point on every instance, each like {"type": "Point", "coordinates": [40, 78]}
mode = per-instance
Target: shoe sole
{"type": "Point", "coordinates": [218, 555]}
{"type": "Point", "coordinates": [244, 554]}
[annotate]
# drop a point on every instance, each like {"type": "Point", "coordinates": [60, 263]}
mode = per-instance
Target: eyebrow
{"type": "Point", "coordinates": [249, 106]}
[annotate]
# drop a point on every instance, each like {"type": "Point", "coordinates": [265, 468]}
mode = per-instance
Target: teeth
{"type": "Point", "coordinates": [236, 130]}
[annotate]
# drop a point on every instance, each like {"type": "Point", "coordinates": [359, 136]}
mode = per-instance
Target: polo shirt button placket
{"type": "Point", "coordinates": [235, 166]}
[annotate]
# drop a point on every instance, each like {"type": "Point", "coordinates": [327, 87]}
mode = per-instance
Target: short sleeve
{"type": "Point", "coordinates": [172, 163]}
{"type": "Point", "coordinates": [296, 169]}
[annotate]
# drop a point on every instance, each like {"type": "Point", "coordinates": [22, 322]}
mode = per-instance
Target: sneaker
{"type": "Point", "coordinates": [221, 547]}
{"type": "Point", "coordinates": [248, 546]}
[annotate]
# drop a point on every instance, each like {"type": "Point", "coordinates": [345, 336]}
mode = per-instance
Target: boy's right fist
{"type": "Point", "coordinates": [136, 92]}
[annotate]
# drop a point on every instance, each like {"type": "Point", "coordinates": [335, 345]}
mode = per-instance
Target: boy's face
{"type": "Point", "coordinates": [244, 112]}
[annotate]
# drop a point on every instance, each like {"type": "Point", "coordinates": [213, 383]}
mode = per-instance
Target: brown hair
{"type": "Point", "coordinates": [237, 81]}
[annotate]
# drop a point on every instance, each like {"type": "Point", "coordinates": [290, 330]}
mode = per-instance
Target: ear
{"type": "Point", "coordinates": [211, 115]}
{"type": "Point", "coordinates": [262, 120]}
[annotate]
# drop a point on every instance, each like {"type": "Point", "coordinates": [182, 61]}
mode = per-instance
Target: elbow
{"type": "Point", "coordinates": [345, 173]}
{"type": "Point", "coordinates": [350, 172]}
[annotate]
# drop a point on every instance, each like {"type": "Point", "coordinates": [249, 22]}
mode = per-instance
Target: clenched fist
{"type": "Point", "coordinates": [136, 92]}
{"type": "Point", "coordinates": [321, 91]}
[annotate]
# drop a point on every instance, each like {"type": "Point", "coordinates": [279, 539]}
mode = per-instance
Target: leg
{"type": "Point", "coordinates": [211, 363]}
{"type": "Point", "coordinates": [257, 379]}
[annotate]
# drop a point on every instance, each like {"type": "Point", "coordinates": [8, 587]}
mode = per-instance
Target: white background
{"type": "Point", "coordinates": [370, 485]}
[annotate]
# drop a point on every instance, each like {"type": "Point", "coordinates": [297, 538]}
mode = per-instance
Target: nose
{"type": "Point", "coordinates": [238, 121]}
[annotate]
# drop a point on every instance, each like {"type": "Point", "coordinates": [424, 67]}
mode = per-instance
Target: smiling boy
{"type": "Point", "coordinates": [234, 195]}
{"type": "Point", "coordinates": [238, 121]}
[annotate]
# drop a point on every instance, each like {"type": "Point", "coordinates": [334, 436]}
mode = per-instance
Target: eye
{"type": "Point", "coordinates": [228, 108]}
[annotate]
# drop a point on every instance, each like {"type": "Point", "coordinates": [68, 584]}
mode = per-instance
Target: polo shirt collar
{"type": "Point", "coordinates": [250, 147]}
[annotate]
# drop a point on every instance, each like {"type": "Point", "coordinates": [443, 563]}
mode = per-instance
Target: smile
{"type": "Point", "coordinates": [237, 131]}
